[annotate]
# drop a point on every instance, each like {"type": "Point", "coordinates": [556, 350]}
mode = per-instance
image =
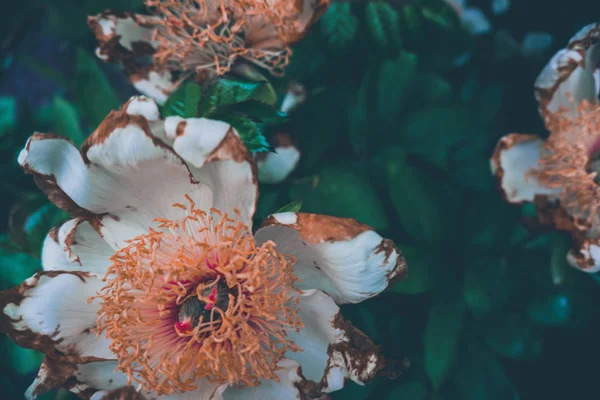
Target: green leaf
{"type": "Point", "coordinates": [339, 26]}
{"type": "Point", "coordinates": [249, 131]}
{"type": "Point", "coordinates": [513, 336]}
{"type": "Point", "coordinates": [16, 267]}
{"type": "Point", "coordinates": [481, 376]}
{"type": "Point", "coordinates": [442, 333]}
{"type": "Point", "coordinates": [551, 309]}
{"type": "Point", "coordinates": [225, 92]}
{"type": "Point", "coordinates": [22, 361]}
{"type": "Point", "coordinates": [65, 121]}
{"type": "Point", "coordinates": [294, 206]}
{"type": "Point", "coordinates": [383, 25]}
{"type": "Point", "coordinates": [95, 96]}
{"type": "Point", "coordinates": [341, 192]}
{"type": "Point", "coordinates": [358, 115]}
{"type": "Point", "coordinates": [421, 204]}
{"type": "Point", "coordinates": [8, 115]}
{"type": "Point", "coordinates": [260, 112]}
{"type": "Point", "coordinates": [412, 390]}
{"type": "Point", "coordinates": [441, 15]}
{"type": "Point", "coordinates": [488, 286]}
{"type": "Point", "coordinates": [394, 88]}
{"type": "Point", "coordinates": [184, 101]}
{"type": "Point", "coordinates": [425, 268]}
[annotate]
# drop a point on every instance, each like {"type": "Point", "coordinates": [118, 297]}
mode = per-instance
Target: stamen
{"type": "Point", "coordinates": [197, 298]}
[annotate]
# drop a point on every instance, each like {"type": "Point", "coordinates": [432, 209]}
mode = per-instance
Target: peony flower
{"type": "Point", "coordinates": [159, 283]}
{"type": "Point", "coordinates": [201, 39]}
{"type": "Point", "coordinates": [560, 174]}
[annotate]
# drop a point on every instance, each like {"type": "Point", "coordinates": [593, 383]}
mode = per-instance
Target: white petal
{"type": "Point", "coordinates": [217, 158]}
{"type": "Point", "coordinates": [515, 157]}
{"type": "Point", "coordinates": [475, 21]}
{"type": "Point", "coordinates": [586, 257]}
{"type": "Point", "coordinates": [275, 167]}
{"type": "Point", "coordinates": [568, 78]}
{"type": "Point", "coordinates": [285, 389]}
{"type": "Point", "coordinates": [156, 84]}
{"type": "Point", "coordinates": [97, 375]}
{"type": "Point", "coordinates": [295, 96]}
{"type": "Point", "coordinates": [340, 256]}
{"type": "Point", "coordinates": [50, 312]}
{"type": "Point", "coordinates": [331, 354]}
{"type": "Point", "coordinates": [205, 391]}
{"type": "Point", "coordinates": [82, 248]}
{"type": "Point", "coordinates": [123, 172]}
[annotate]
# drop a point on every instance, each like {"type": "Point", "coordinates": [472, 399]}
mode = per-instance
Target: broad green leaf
{"type": "Point", "coordinates": [248, 130]}
{"type": "Point", "coordinates": [481, 376]}
{"type": "Point", "coordinates": [513, 336]}
{"type": "Point", "coordinates": [551, 309]}
{"type": "Point", "coordinates": [184, 101]}
{"type": "Point", "coordinates": [352, 391]}
{"type": "Point", "coordinates": [394, 89]}
{"type": "Point", "coordinates": [95, 96]}
{"type": "Point", "coordinates": [65, 121]}
{"type": "Point", "coordinates": [442, 333]}
{"type": "Point", "coordinates": [339, 26]}
{"type": "Point", "coordinates": [341, 192]}
{"type": "Point", "coordinates": [225, 92]}
{"type": "Point", "coordinates": [425, 271]}
{"type": "Point", "coordinates": [8, 115]}
{"type": "Point", "coordinates": [422, 206]}
{"type": "Point", "coordinates": [383, 25]}
{"type": "Point", "coordinates": [22, 361]}
{"type": "Point", "coordinates": [16, 267]}
{"type": "Point", "coordinates": [358, 115]}
{"type": "Point", "coordinates": [488, 286]}
{"type": "Point", "coordinates": [294, 206]}
{"type": "Point", "coordinates": [440, 14]}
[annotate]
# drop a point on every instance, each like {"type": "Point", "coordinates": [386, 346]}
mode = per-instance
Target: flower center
{"type": "Point", "coordinates": [201, 36]}
{"type": "Point", "coordinates": [197, 298]}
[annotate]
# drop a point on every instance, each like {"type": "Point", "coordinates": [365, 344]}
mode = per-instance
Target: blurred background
{"type": "Point", "coordinates": [406, 100]}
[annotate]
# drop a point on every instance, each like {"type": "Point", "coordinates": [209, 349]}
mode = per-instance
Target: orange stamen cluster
{"type": "Point", "coordinates": [246, 293]}
{"type": "Point", "coordinates": [572, 145]}
{"type": "Point", "coordinates": [207, 36]}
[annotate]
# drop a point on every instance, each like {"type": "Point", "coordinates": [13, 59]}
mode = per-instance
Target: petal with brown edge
{"type": "Point", "coordinates": [571, 75]}
{"type": "Point", "coordinates": [76, 246]}
{"type": "Point", "coordinates": [123, 36]}
{"type": "Point", "coordinates": [346, 259]}
{"type": "Point", "coordinates": [274, 167]}
{"type": "Point", "coordinates": [217, 158]}
{"type": "Point", "coordinates": [514, 158]}
{"type": "Point", "coordinates": [333, 351]}
{"type": "Point", "coordinates": [586, 256]}
{"type": "Point", "coordinates": [123, 173]}
{"type": "Point", "coordinates": [50, 312]}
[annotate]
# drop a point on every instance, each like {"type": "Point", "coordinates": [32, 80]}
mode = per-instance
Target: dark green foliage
{"type": "Point", "coordinates": [394, 134]}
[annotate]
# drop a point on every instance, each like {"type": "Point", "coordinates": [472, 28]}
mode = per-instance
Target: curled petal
{"type": "Point", "coordinates": [217, 158]}
{"type": "Point", "coordinates": [347, 260]}
{"type": "Point", "coordinates": [50, 313]}
{"type": "Point", "coordinates": [571, 76]}
{"type": "Point", "coordinates": [274, 167]}
{"type": "Point", "coordinates": [515, 158]}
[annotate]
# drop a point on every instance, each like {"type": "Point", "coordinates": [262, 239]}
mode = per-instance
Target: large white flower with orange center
{"type": "Point", "coordinates": [158, 288]}
{"type": "Point", "coordinates": [560, 174]}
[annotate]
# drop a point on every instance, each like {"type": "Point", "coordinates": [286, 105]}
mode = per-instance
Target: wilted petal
{"type": "Point", "coordinates": [274, 167]}
{"type": "Point", "coordinates": [340, 256]}
{"type": "Point", "coordinates": [50, 313]}
{"type": "Point", "coordinates": [123, 174]}
{"type": "Point", "coordinates": [217, 158]}
{"type": "Point", "coordinates": [569, 77]}
{"type": "Point", "coordinates": [516, 156]}
{"type": "Point", "coordinates": [76, 246]}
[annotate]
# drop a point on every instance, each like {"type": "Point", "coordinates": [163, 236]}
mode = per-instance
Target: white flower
{"type": "Point", "coordinates": [158, 281]}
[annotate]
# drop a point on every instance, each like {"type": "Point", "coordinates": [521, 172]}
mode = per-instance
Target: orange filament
{"type": "Point", "coordinates": [564, 162]}
{"type": "Point", "coordinates": [209, 35]}
{"type": "Point", "coordinates": [210, 259]}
